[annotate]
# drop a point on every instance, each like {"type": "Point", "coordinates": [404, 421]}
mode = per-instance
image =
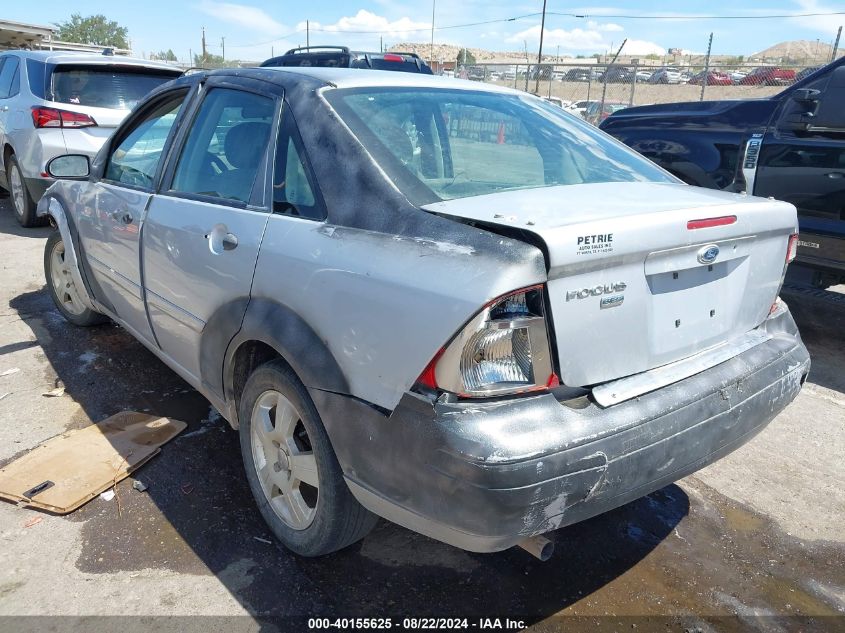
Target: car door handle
{"type": "Point", "coordinates": [230, 242]}
{"type": "Point", "coordinates": [122, 216]}
{"type": "Point", "coordinates": [219, 239]}
{"type": "Point", "coordinates": [4, 108]}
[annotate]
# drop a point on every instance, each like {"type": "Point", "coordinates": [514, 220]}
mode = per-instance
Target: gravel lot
{"type": "Point", "coordinates": [753, 542]}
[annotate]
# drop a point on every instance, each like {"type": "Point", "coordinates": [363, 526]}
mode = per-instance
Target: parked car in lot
{"type": "Point", "coordinates": [768, 76]}
{"type": "Point", "coordinates": [343, 57]}
{"type": "Point", "coordinates": [712, 78]}
{"type": "Point", "coordinates": [665, 75]}
{"type": "Point", "coordinates": [580, 107]}
{"type": "Point", "coordinates": [597, 112]}
{"type": "Point", "coordinates": [404, 321]}
{"type": "Point", "coordinates": [790, 146]}
{"type": "Point", "coordinates": [643, 75]}
{"type": "Point", "coordinates": [55, 103]}
{"type": "Point", "coordinates": [577, 74]}
{"type": "Point", "coordinates": [618, 75]}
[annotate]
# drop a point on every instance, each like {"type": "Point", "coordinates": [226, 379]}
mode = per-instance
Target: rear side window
{"type": "Point", "coordinates": [225, 146]}
{"type": "Point", "coordinates": [35, 72]}
{"type": "Point", "coordinates": [135, 159]}
{"type": "Point", "coordinates": [293, 190]}
{"type": "Point", "coordinates": [116, 87]}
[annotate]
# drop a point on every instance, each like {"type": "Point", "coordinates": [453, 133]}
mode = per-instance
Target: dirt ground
{"type": "Point", "coordinates": [754, 542]}
{"type": "Point", "coordinates": [644, 93]}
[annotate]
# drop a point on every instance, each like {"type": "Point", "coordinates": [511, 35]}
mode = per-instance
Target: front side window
{"type": "Point", "coordinates": [443, 144]}
{"type": "Point", "coordinates": [135, 159]}
{"type": "Point", "coordinates": [225, 146]}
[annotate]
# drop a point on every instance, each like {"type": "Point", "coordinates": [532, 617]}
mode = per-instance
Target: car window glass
{"type": "Point", "coordinates": [459, 143]}
{"type": "Point", "coordinates": [225, 146]}
{"type": "Point", "coordinates": [105, 87]}
{"type": "Point", "coordinates": [136, 157]}
{"type": "Point", "coordinates": [292, 189]}
{"type": "Point", "coordinates": [15, 88]}
{"type": "Point", "coordinates": [7, 73]}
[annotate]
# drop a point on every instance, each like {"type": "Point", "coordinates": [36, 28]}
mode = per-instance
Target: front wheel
{"type": "Point", "coordinates": [62, 286]}
{"type": "Point", "coordinates": [291, 468]}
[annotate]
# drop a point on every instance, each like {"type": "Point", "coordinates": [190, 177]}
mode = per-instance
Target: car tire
{"type": "Point", "coordinates": [22, 203]}
{"type": "Point", "coordinates": [283, 444]}
{"type": "Point", "coordinates": [63, 289]}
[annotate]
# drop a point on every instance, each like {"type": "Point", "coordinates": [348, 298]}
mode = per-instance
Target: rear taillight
{"type": "Point", "coordinates": [503, 350]}
{"type": "Point", "coordinates": [709, 223]}
{"type": "Point", "coordinates": [53, 117]}
{"type": "Point", "coordinates": [792, 248]}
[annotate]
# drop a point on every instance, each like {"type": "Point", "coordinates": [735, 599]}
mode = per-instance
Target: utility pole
{"type": "Point", "coordinates": [431, 50]}
{"type": "Point", "coordinates": [380, 43]}
{"type": "Point", "coordinates": [203, 46]}
{"type": "Point", "coordinates": [307, 33]}
{"type": "Point", "coordinates": [223, 46]}
{"type": "Point", "coordinates": [540, 53]}
{"type": "Point", "coordinates": [836, 44]}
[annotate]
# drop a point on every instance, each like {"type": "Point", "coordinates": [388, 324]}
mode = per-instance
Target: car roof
{"type": "Point", "coordinates": [62, 57]}
{"type": "Point", "coordinates": [365, 78]}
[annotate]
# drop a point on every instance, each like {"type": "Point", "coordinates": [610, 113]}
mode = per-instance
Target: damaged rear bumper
{"type": "Point", "coordinates": [484, 476]}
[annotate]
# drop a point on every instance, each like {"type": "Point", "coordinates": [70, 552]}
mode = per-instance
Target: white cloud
{"type": "Point", "coordinates": [251, 18]}
{"type": "Point", "coordinates": [823, 23]}
{"type": "Point", "coordinates": [607, 28]}
{"type": "Point", "coordinates": [642, 47]}
{"type": "Point", "coordinates": [378, 25]}
{"type": "Point", "coordinates": [574, 40]}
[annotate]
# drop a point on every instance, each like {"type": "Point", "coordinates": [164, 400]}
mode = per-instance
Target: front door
{"type": "Point", "coordinates": [112, 216]}
{"type": "Point", "coordinates": [203, 230]}
{"type": "Point", "coordinates": [805, 165]}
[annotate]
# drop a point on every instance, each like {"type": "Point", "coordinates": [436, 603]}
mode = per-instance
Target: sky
{"type": "Point", "coordinates": [255, 30]}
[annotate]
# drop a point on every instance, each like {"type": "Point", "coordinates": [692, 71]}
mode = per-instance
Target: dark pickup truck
{"type": "Point", "coordinates": [790, 146]}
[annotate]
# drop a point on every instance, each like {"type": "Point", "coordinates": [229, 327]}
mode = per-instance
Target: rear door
{"type": "Point", "coordinates": [204, 228]}
{"type": "Point", "coordinates": [807, 168]}
{"type": "Point", "coordinates": [112, 217]}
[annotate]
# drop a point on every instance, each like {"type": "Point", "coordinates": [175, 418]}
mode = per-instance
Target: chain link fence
{"type": "Point", "coordinates": [584, 88]}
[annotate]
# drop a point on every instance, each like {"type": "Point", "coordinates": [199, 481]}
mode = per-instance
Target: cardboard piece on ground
{"type": "Point", "coordinates": [69, 470]}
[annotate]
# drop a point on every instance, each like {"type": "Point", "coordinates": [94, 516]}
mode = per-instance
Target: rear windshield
{"type": "Point", "coordinates": [377, 63]}
{"type": "Point", "coordinates": [104, 87]}
{"type": "Point", "coordinates": [447, 144]}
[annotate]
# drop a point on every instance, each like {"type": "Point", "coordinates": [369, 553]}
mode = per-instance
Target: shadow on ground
{"type": "Point", "coordinates": [198, 516]}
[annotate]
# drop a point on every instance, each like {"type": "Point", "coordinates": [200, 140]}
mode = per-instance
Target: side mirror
{"type": "Point", "coordinates": [805, 95]}
{"type": "Point", "coordinates": [69, 167]}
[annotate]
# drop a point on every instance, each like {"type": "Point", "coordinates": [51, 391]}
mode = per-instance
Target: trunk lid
{"type": "Point", "coordinates": [630, 286]}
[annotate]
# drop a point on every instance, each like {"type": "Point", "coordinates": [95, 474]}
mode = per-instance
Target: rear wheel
{"type": "Point", "coordinates": [291, 468]}
{"type": "Point", "coordinates": [21, 200]}
{"type": "Point", "coordinates": [63, 288]}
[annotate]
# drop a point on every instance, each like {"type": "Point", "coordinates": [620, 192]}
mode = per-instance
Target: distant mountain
{"type": "Point", "coordinates": [811, 51]}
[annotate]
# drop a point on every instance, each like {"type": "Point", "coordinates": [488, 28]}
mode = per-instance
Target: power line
{"type": "Point", "coordinates": [697, 17]}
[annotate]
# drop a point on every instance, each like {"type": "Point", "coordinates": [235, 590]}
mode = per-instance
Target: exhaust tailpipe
{"type": "Point", "coordinates": [538, 546]}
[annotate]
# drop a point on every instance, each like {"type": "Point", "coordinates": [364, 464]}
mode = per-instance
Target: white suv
{"type": "Point", "coordinates": [57, 103]}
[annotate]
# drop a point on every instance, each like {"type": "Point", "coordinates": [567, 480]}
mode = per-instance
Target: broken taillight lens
{"type": "Point", "coordinates": [792, 248]}
{"type": "Point", "coordinates": [503, 350]}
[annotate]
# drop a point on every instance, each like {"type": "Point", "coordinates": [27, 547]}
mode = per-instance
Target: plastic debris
{"type": "Point", "coordinates": [262, 540]}
{"type": "Point", "coordinates": [108, 495]}
{"type": "Point", "coordinates": [9, 372]}
{"type": "Point", "coordinates": [58, 392]}
{"type": "Point", "coordinates": [187, 488]}
{"type": "Point", "coordinates": [140, 486]}
{"type": "Point", "coordinates": [3, 395]}
{"type": "Point", "coordinates": [33, 521]}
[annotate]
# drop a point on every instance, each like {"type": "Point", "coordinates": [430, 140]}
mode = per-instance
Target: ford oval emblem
{"type": "Point", "coordinates": [708, 254]}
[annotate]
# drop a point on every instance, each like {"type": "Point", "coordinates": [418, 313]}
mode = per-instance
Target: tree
{"type": "Point", "coordinates": [465, 57]}
{"type": "Point", "coordinates": [95, 29]}
{"type": "Point", "coordinates": [168, 55]}
{"type": "Point", "coordinates": [214, 61]}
